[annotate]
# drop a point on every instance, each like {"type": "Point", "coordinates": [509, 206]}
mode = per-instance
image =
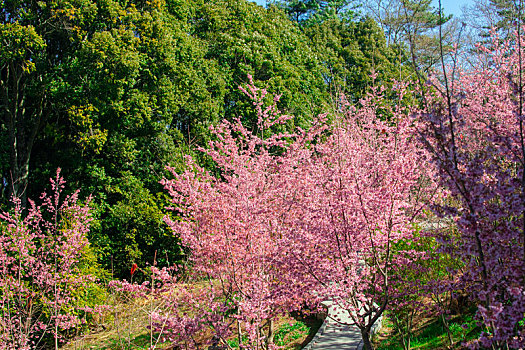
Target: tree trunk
{"type": "Point", "coordinates": [447, 328]}
{"type": "Point", "coordinates": [367, 344]}
{"type": "Point", "coordinates": [239, 334]}
{"type": "Point", "coordinates": [270, 334]}
{"type": "Point", "coordinates": [23, 116]}
{"type": "Point", "coordinates": [18, 177]}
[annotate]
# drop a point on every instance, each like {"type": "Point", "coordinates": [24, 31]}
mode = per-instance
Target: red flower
{"type": "Point", "coordinates": [133, 269]}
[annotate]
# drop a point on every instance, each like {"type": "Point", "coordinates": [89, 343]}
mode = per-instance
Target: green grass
{"type": "Point", "coordinates": [433, 334]}
{"type": "Point", "coordinates": [288, 332]}
{"type": "Point", "coordinates": [234, 343]}
{"type": "Point", "coordinates": [285, 335]}
{"type": "Point", "coordinates": [139, 342]}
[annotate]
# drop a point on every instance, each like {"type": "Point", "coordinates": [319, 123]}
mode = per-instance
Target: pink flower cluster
{"type": "Point", "coordinates": [39, 255]}
{"type": "Point", "coordinates": [476, 137]}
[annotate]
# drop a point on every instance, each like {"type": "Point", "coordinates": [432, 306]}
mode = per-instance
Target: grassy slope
{"type": "Point", "coordinates": [127, 328]}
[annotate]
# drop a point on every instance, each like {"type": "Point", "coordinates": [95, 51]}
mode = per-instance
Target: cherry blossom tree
{"type": "Point", "coordinates": [473, 127]}
{"type": "Point", "coordinates": [39, 255]}
{"type": "Point", "coordinates": [307, 216]}
{"type": "Point", "coordinates": [361, 192]}
{"type": "Point", "coordinates": [231, 220]}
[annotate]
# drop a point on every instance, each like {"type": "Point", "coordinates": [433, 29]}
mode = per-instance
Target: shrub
{"type": "Point", "coordinates": [44, 286]}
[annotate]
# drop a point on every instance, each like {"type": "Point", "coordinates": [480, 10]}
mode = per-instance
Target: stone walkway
{"type": "Point", "coordinates": [336, 335]}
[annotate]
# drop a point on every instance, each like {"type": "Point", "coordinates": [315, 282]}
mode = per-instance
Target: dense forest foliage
{"type": "Point", "coordinates": [114, 91]}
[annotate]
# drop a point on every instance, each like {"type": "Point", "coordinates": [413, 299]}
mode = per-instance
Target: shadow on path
{"type": "Point", "coordinates": [336, 335]}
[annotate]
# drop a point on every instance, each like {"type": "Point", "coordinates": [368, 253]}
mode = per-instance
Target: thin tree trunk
{"type": "Point", "coordinates": [23, 118]}
{"type": "Point", "coordinates": [367, 344]}
{"type": "Point", "coordinates": [445, 324]}
{"type": "Point", "coordinates": [270, 334]}
{"type": "Point", "coordinates": [239, 334]}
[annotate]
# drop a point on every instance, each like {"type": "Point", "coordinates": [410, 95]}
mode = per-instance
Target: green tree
{"type": "Point", "coordinates": [242, 39]}
{"type": "Point", "coordinates": [351, 51]}
{"type": "Point", "coordinates": [502, 15]}
{"type": "Point", "coordinates": [413, 26]}
{"type": "Point", "coordinates": [115, 126]}
{"type": "Point", "coordinates": [308, 12]}
{"type": "Point", "coordinates": [36, 38]}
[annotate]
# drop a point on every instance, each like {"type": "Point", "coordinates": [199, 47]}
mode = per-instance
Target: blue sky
{"type": "Point", "coordinates": [450, 6]}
